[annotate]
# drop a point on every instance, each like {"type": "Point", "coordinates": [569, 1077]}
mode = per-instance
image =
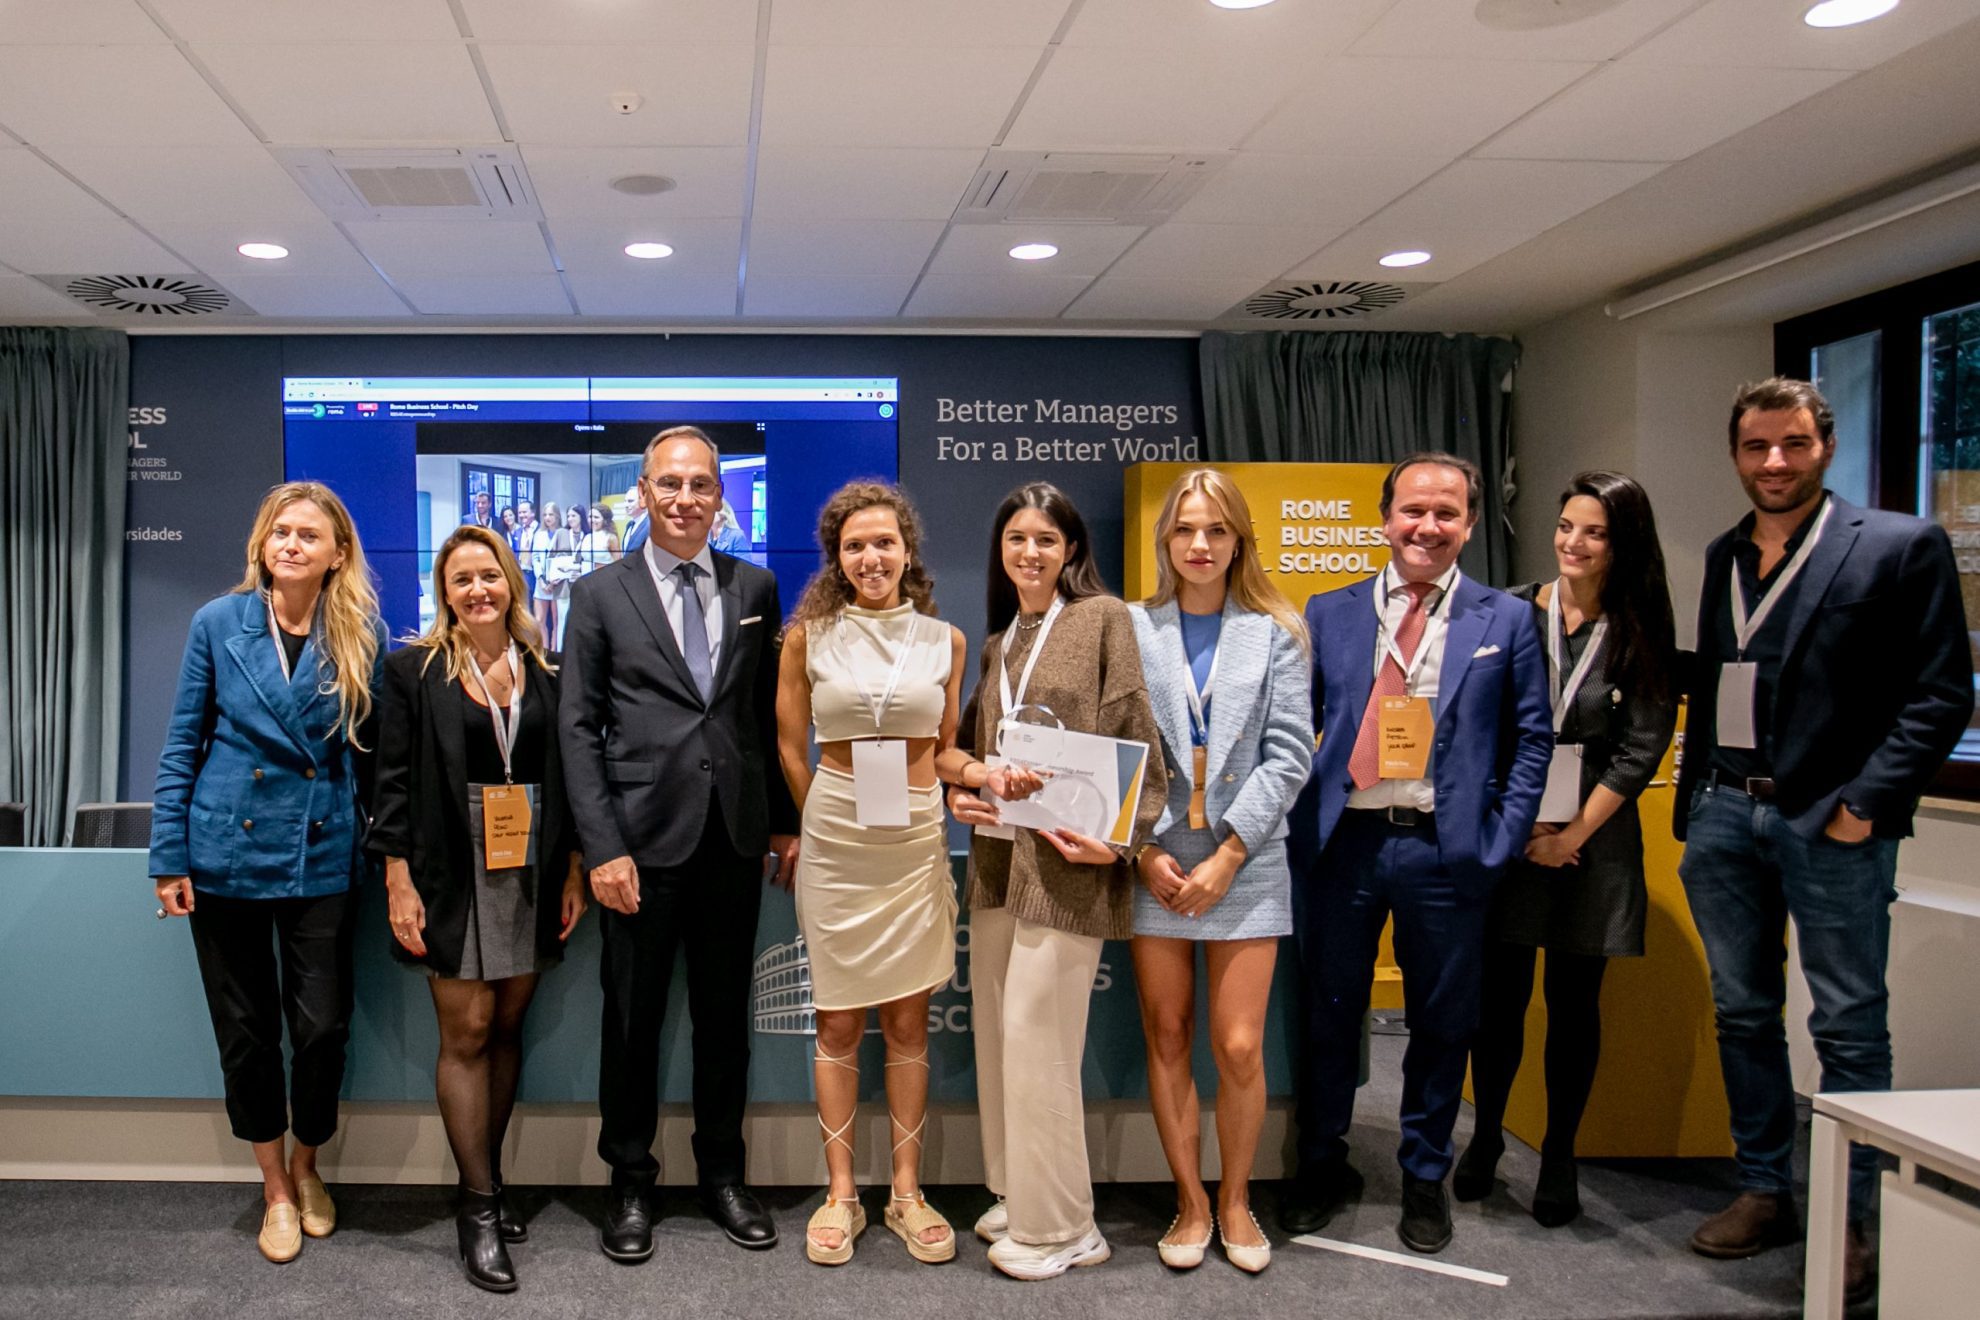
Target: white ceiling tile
{"type": "Point", "coordinates": [575, 183]}
{"type": "Point", "coordinates": [1187, 100]}
{"type": "Point", "coordinates": [1256, 188]}
{"type": "Point", "coordinates": [1084, 250]}
{"type": "Point", "coordinates": [701, 247]}
{"type": "Point", "coordinates": [654, 295]}
{"type": "Point", "coordinates": [52, 95]}
{"type": "Point", "coordinates": [407, 248]}
{"type": "Point", "coordinates": [36, 191]}
{"type": "Point", "coordinates": [315, 247]}
{"type": "Point", "coordinates": [693, 95]}
{"type": "Point", "coordinates": [1456, 247]}
{"type": "Point", "coordinates": [691, 22]}
{"type": "Point", "coordinates": [1530, 196]}
{"type": "Point", "coordinates": [308, 20]}
{"type": "Point", "coordinates": [1643, 112]}
{"type": "Point", "coordinates": [1118, 298]}
{"type": "Point", "coordinates": [487, 295]}
{"type": "Point", "coordinates": [994, 297]}
{"type": "Point", "coordinates": [87, 22]}
{"type": "Point", "coordinates": [1408, 107]}
{"type": "Point", "coordinates": [24, 299]}
{"type": "Point", "coordinates": [852, 96]}
{"type": "Point", "coordinates": [1201, 252]}
{"type": "Point", "coordinates": [848, 296]}
{"type": "Point", "coordinates": [840, 247]}
{"type": "Point", "coordinates": [89, 247]}
{"type": "Point", "coordinates": [1450, 28]}
{"type": "Point", "coordinates": [340, 95]}
{"type": "Point", "coordinates": [1769, 34]}
{"type": "Point", "coordinates": [856, 183]}
{"type": "Point", "coordinates": [915, 22]}
{"type": "Point", "coordinates": [152, 184]}
{"type": "Point", "coordinates": [1313, 30]}
{"type": "Point", "coordinates": [309, 296]}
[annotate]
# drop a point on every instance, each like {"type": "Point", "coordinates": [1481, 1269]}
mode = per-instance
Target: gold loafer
{"type": "Point", "coordinates": [319, 1212]}
{"type": "Point", "coordinates": [281, 1233]}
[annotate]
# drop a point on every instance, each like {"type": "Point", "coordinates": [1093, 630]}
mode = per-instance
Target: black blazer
{"type": "Point", "coordinates": [1876, 676]}
{"type": "Point", "coordinates": [420, 806]}
{"type": "Point", "coordinates": [642, 752]}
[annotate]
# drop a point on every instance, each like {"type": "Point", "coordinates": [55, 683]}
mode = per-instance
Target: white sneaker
{"type": "Point", "coordinates": [994, 1223]}
{"type": "Point", "coordinates": [1048, 1260]}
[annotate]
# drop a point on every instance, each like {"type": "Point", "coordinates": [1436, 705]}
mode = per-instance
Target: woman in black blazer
{"type": "Point", "coordinates": [1605, 622]}
{"type": "Point", "coordinates": [481, 866]}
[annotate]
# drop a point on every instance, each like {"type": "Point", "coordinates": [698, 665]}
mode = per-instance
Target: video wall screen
{"type": "Point", "coordinates": [552, 465]}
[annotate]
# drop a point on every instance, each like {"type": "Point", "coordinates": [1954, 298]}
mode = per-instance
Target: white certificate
{"type": "Point", "coordinates": [880, 782]}
{"type": "Point", "coordinates": [1735, 712]}
{"type": "Point", "coordinates": [1092, 784]}
{"type": "Point", "coordinates": [1562, 797]}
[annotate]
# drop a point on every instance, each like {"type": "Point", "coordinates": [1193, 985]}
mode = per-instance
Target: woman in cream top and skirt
{"type": "Point", "coordinates": [868, 667]}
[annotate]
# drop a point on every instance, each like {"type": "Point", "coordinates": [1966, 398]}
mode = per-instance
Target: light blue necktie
{"type": "Point", "coordinates": [694, 631]}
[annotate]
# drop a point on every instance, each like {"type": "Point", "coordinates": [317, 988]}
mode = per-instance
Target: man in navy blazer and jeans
{"type": "Point", "coordinates": [1423, 836]}
{"type": "Point", "coordinates": [1834, 677]}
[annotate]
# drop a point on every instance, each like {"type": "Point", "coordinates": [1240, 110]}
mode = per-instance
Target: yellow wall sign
{"type": "Point", "coordinates": [1319, 525]}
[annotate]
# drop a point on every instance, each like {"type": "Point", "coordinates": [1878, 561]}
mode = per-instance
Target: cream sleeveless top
{"type": "Point", "coordinates": [855, 654]}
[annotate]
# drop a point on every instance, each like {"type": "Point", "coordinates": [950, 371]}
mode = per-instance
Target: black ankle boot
{"type": "Point", "coordinates": [1478, 1167]}
{"type": "Point", "coordinates": [483, 1257]}
{"type": "Point", "coordinates": [1557, 1194]}
{"type": "Point", "coordinates": [510, 1224]}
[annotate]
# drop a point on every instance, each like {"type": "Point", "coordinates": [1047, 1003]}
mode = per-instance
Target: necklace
{"type": "Point", "coordinates": [1026, 622]}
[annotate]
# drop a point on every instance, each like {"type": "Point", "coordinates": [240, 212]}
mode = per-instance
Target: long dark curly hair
{"type": "Point", "coordinates": [829, 591]}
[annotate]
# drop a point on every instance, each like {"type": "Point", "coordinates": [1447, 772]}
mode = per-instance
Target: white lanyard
{"type": "Point", "coordinates": [1563, 694]}
{"type": "Point", "coordinates": [1386, 643]}
{"type": "Point", "coordinates": [893, 678]}
{"type": "Point", "coordinates": [1011, 703]}
{"type": "Point", "coordinates": [1199, 724]}
{"type": "Point", "coordinates": [1743, 627]}
{"type": "Point", "coordinates": [505, 738]}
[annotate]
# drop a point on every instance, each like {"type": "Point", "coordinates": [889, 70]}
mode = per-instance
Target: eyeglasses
{"type": "Point", "coordinates": [702, 488]}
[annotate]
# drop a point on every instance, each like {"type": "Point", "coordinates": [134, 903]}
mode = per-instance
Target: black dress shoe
{"type": "Point", "coordinates": [628, 1233]}
{"type": "Point", "coordinates": [483, 1257]}
{"type": "Point", "coordinates": [1312, 1200]}
{"type": "Point", "coordinates": [740, 1214]}
{"type": "Point", "coordinates": [1426, 1215]}
{"type": "Point", "coordinates": [1477, 1168]}
{"type": "Point", "coordinates": [1557, 1196]}
{"type": "Point", "coordinates": [512, 1228]}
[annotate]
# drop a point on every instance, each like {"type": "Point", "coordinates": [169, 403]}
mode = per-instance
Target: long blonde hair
{"type": "Point", "coordinates": [1245, 580]}
{"type": "Point", "coordinates": [447, 637]}
{"type": "Point", "coordinates": [348, 605]}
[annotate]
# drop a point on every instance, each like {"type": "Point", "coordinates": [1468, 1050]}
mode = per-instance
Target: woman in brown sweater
{"type": "Point", "coordinates": [1042, 903]}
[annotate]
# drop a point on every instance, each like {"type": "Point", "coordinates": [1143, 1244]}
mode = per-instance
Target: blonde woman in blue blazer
{"type": "Point", "coordinates": [255, 834]}
{"type": "Point", "coordinates": [1225, 657]}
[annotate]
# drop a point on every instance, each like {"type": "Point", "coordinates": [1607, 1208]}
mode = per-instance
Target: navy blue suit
{"type": "Point", "coordinates": [1353, 868]}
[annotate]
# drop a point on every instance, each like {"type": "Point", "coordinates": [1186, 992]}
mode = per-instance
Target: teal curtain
{"type": "Point", "coordinates": [64, 396]}
{"type": "Point", "coordinates": [1362, 397]}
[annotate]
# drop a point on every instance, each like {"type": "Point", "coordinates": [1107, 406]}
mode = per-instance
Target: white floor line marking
{"type": "Point", "coordinates": [1398, 1258]}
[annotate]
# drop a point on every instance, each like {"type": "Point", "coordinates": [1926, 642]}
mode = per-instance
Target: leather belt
{"type": "Point", "coordinates": [1405, 818]}
{"type": "Point", "coordinates": [1759, 789]}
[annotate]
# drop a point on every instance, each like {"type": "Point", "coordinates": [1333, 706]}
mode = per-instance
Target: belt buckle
{"type": "Point", "coordinates": [1406, 817]}
{"type": "Point", "coordinates": [1759, 788]}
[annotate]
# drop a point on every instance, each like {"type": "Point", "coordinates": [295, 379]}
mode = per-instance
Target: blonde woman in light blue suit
{"type": "Point", "coordinates": [1226, 662]}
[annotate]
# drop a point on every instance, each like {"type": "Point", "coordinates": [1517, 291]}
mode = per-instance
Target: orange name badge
{"type": "Point", "coordinates": [1405, 732]}
{"type": "Point", "coordinates": [1198, 818]}
{"type": "Point", "coordinates": [505, 823]}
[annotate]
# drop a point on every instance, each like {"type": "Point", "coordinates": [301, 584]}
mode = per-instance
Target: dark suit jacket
{"type": "Point", "coordinates": [420, 807]}
{"type": "Point", "coordinates": [1494, 730]}
{"type": "Point", "coordinates": [642, 751]}
{"type": "Point", "coordinates": [1876, 676]}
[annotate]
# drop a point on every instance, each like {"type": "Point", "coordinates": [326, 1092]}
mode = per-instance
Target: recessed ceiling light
{"type": "Point", "coordinates": [1240, 4]}
{"type": "Point", "coordinates": [1845, 13]}
{"type": "Point", "coordinates": [648, 251]}
{"type": "Point", "coordinates": [263, 251]}
{"type": "Point", "coordinates": [1413, 258]}
{"type": "Point", "coordinates": [1034, 251]}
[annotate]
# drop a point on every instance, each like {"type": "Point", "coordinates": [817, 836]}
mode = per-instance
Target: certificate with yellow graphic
{"type": "Point", "coordinates": [1092, 784]}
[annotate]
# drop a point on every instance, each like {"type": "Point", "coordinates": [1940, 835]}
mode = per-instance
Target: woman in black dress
{"type": "Point", "coordinates": [467, 754]}
{"type": "Point", "coordinates": [1578, 893]}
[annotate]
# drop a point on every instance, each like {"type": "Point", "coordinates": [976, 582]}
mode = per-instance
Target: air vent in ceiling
{"type": "Point", "coordinates": [447, 183]}
{"type": "Point", "coordinates": [1324, 300]}
{"type": "Point", "coordinates": [162, 296]}
{"type": "Point", "coordinates": [1058, 187]}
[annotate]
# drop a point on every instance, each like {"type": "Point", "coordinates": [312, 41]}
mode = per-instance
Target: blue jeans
{"type": "Point", "coordinates": [1745, 873]}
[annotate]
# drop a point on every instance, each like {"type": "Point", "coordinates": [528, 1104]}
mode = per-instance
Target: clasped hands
{"type": "Point", "coordinates": [1187, 894]}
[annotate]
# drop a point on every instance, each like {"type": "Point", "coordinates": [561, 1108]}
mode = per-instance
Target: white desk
{"type": "Point", "coordinates": [1937, 1130]}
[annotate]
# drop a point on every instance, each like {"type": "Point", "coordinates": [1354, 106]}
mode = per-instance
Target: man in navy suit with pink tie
{"type": "Point", "coordinates": [1430, 691]}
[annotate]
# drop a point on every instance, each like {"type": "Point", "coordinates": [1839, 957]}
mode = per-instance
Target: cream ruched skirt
{"type": "Point", "coordinates": [877, 906]}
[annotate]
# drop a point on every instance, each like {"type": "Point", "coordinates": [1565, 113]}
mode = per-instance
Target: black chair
{"type": "Point", "coordinates": [111, 825]}
{"type": "Point", "coordinates": [13, 825]}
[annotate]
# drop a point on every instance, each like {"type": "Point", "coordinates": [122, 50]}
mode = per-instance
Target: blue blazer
{"type": "Point", "coordinates": [257, 790]}
{"type": "Point", "coordinates": [1494, 726]}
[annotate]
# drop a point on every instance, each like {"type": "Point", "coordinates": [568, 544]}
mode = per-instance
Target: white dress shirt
{"type": "Point", "coordinates": [1424, 675]}
{"type": "Point", "coordinates": [661, 564]}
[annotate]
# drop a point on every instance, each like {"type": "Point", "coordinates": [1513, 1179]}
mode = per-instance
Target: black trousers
{"type": "Point", "coordinates": [709, 907]}
{"type": "Point", "coordinates": [263, 960]}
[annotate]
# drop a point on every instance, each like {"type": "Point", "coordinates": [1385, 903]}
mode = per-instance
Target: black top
{"type": "Point", "coordinates": [1576, 645]}
{"type": "Point", "coordinates": [1766, 649]}
{"type": "Point", "coordinates": [292, 645]}
{"type": "Point", "coordinates": [484, 755]}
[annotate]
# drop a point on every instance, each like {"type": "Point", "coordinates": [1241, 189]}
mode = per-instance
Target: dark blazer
{"type": "Point", "coordinates": [420, 805]}
{"type": "Point", "coordinates": [642, 751]}
{"type": "Point", "coordinates": [1876, 674]}
{"type": "Point", "coordinates": [1494, 732]}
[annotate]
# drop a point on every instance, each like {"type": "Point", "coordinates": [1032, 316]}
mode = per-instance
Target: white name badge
{"type": "Point", "coordinates": [1562, 797]}
{"type": "Point", "coordinates": [880, 782]}
{"type": "Point", "coordinates": [1735, 711]}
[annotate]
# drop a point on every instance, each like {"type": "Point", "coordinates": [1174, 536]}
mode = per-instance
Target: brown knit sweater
{"type": "Point", "coordinates": [1089, 675]}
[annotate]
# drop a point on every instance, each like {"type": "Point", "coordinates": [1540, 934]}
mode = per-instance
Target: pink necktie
{"type": "Point", "coordinates": [1364, 766]}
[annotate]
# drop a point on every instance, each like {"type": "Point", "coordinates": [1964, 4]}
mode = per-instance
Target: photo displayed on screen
{"type": "Point", "coordinates": [552, 465]}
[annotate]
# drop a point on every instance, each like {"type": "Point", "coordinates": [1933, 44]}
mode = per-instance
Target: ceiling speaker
{"type": "Point", "coordinates": [1324, 300]}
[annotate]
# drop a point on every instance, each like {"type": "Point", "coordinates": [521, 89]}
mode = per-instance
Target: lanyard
{"type": "Point", "coordinates": [876, 709]}
{"type": "Point", "coordinates": [1563, 694]}
{"type": "Point", "coordinates": [1011, 703]}
{"type": "Point", "coordinates": [275, 635]}
{"type": "Point", "coordinates": [1743, 627]}
{"type": "Point", "coordinates": [505, 738]}
{"type": "Point", "coordinates": [1199, 723]}
{"type": "Point", "coordinates": [1386, 643]}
